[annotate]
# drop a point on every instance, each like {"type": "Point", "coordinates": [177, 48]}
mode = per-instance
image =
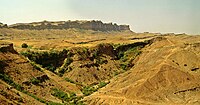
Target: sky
{"type": "Point", "coordinates": [165, 16]}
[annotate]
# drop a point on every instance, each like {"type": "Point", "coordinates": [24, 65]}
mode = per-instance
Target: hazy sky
{"type": "Point", "coordinates": [179, 16]}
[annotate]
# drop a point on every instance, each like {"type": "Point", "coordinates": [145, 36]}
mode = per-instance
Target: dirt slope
{"type": "Point", "coordinates": [27, 80]}
{"type": "Point", "coordinates": [167, 72]}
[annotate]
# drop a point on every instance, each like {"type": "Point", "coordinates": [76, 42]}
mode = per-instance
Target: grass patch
{"type": "Point", "coordinates": [67, 98]}
{"type": "Point", "coordinates": [88, 90]}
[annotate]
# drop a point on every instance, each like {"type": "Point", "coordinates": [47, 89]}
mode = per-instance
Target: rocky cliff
{"type": "Point", "coordinates": [88, 25]}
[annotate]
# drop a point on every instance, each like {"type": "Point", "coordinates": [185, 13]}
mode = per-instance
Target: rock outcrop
{"type": "Point", "coordinates": [88, 25]}
{"type": "Point", "coordinates": [6, 47]}
{"type": "Point", "coordinates": [3, 25]}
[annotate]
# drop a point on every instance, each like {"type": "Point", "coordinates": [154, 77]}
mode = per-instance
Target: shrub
{"type": "Point", "coordinates": [102, 84]}
{"type": "Point", "coordinates": [71, 81]}
{"type": "Point", "coordinates": [53, 103]}
{"type": "Point", "coordinates": [69, 61]}
{"type": "Point", "coordinates": [36, 66]}
{"type": "Point", "coordinates": [95, 54]}
{"type": "Point", "coordinates": [24, 45]}
{"type": "Point", "coordinates": [116, 73]}
{"type": "Point", "coordinates": [65, 65]}
{"type": "Point", "coordinates": [70, 98]}
{"type": "Point", "coordinates": [123, 66]}
{"type": "Point", "coordinates": [120, 54]}
{"type": "Point", "coordinates": [35, 81]}
{"type": "Point", "coordinates": [87, 90]}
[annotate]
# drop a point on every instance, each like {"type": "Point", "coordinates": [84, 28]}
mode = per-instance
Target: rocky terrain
{"type": "Point", "coordinates": [87, 25]}
{"type": "Point", "coordinates": [88, 67]}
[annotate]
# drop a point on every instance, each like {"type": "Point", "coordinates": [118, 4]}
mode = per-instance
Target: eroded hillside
{"type": "Point", "coordinates": [52, 76]}
{"type": "Point", "coordinates": [23, 78]}
{"type": "Point", "coordinates": [91, 67]}
{"type": "Point", "coordinates": [167, 72]}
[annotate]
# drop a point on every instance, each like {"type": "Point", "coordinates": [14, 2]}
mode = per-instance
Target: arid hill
{"type": "Point", "coordinates": [167, 72]}
{"type": "Point", "coordinates": [87, 25]}
{"type": "Point", "coordinates": [25, 82]}
{"type": "Point", "coordinates": [77, 67]}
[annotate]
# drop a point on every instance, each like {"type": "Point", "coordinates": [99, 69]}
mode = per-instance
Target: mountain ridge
{"type": "Point", "coordinates": [95, 25]}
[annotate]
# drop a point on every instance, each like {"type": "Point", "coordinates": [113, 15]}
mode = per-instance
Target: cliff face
{"type": "Point", "coordinates": [88, 25]}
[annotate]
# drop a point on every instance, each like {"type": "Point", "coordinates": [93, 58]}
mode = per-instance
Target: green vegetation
{"type": "Point", "coordinates": [24, 45]}
{"type": "Point", "coordinates": [95, 54]}
{"type": "Point", "coordinates": [18, 87]}
{"type": "Point", "coordinates": [8, 80]}
{"type": "Point", "coordinates": [49, 60]}
{"type": "Point", "coordinates": [116, 73]}
{"type": "Point", "coordinates": [53, 103]}
{"type": "Point", "coordinates": [35, 81]}
{"type": "Point", "coordinates": [69, 61]}
{"type": "Point", "coordinates": [126, 53]}
{"type": "Point", "coordinates": [102, 84]}
{"type": "Point", "coordinates": [65, 65]}
{"type": "Point", "coordinates": [87, 90]}
{"type": "Point", "coordinates": [71, 81]}
{"type": "Point", "coordinates": [123, 66]}
{"type": "Point", "coordinates": [36, 66]}
{"type": "Point", "coordinates": [120, 54]}
{"type": "Point", "coordinates": [83, 53]}
{"type": "Point", "coordinates": [67, 98]}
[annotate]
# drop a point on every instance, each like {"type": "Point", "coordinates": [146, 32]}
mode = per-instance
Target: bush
{"type": "Point", "coordinates": [24, 45]}
{"type": "Point", "coordinates": [123, 66]}
{"type": "Point", "coordinates": [70, 98]}
{"type": "Point", "coordinates": [102, 84]}
{"type": "Point", "coordinates": [71, 81]}
{"type": "Point", "coordinates": [69, 61]}
{"type": "Point", "coordinates": [35, 81]}
{"type": "Point", "coordinates": [95, 54]}
{"type": "Point", "coordinates": [36, 66]}
{"type": "Point", "coordinates": [53, 103]}
{"type": "Point", "coordinates": [87, 90]}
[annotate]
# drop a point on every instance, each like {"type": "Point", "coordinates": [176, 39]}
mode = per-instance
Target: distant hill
{"type": "Point", "coordinates": [88, 25]}
{"type": "Point", "coordinates": [3, 25]}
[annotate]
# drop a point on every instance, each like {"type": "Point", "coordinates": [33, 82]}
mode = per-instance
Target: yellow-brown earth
{"type": "Point", "coordinates": [135, 68]}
